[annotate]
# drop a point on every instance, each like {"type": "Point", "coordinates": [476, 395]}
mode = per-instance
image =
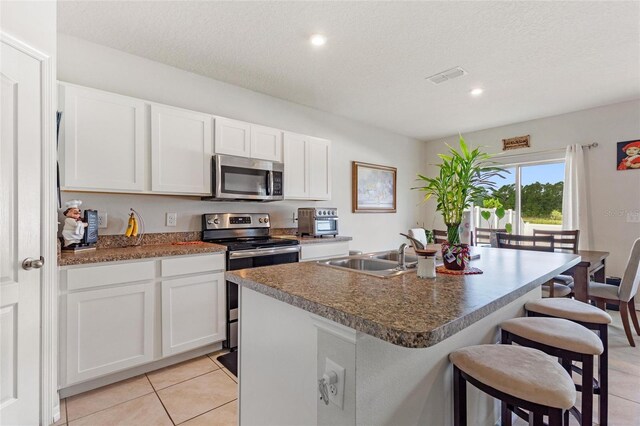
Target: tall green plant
{"type": "Point", "coordinates": [464, 174]}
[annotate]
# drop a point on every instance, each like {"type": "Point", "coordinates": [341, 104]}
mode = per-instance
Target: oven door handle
{"type": "Point", "coordinates": [242, 254]}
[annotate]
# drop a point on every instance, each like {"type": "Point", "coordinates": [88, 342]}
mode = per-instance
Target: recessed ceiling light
{"type": "Point", "coordinates": [476, 92]}
{"type": "Point", "coordinates": [318, 40]}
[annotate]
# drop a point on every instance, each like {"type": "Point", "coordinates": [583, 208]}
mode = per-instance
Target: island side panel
{"type": "Point", "coordinates": [403, 386]}
{"type": "Point", "coordinates": [277, 362]}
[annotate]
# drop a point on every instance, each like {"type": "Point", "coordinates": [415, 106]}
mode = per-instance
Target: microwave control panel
{"type": "Point", "coordinates": [277, 183]}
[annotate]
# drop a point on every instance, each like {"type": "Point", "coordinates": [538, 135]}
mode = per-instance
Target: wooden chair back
{"type": "Point", "coordinates": [439, 236]}
{"type": "Point", "coordinates": [631, 278]}
{"type": "Point", "coordinates": [525, 242]}
{"type": "Point", "coordinates": [564, 241]}
{"type": "Point", "coordinates": [483, 235]}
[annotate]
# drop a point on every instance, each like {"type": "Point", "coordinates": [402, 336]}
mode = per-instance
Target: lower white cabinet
{"type": "Point", "coordinates": [323, 250]}
{"type": "Point", "coordinates": [109, 330]}
{"type": "Point", "coordinates": [192, 312]}
{"type": "Point", "coordinates": [115, 316]}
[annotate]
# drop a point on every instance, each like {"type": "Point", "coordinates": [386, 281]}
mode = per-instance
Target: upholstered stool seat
{"type": "Point", "coordinates": [556, 332]}
{"type": "Point", "coordinates": [569, 309]}
{"type": "Point", "coordinates": [524, 373]}
{"type": "Point", "coordinates": [603, 291]}
{"type": "Point", "coordinates": [559, 290]}
{"type": "Point", "coordinates": [564, 279]}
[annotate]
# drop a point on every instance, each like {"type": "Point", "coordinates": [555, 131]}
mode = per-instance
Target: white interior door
{"type": "Point", "coordinates": [20, 191]}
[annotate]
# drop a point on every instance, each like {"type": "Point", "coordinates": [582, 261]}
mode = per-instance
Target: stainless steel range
{"type": "Point", "coordinates": [249, 245]}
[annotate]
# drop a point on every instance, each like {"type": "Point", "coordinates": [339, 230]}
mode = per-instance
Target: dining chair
{"type": "Point", "coordinates": [624, 296]}
{"type": "Point", "coordinates": [564, 241]}
{"type": "Point", "coordinates": [534, 243]}
{"type": "Point", "coordinates": [439, 236]}
{"type": "Point", "coordinates": [483, 235]}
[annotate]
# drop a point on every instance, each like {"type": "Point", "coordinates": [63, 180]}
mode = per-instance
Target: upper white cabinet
{"type": "Point", "coordinates": [104, 141]}
{"type": "Point", "coordinates": [247, 140]}
{"type": "Point", "coordinates": [307, 167]}
{"type": "Point", "coordinates": [266, 143]}
{"type": "Point", "coordinates": [181, 150]}
{"type": "Point", "coordinates": [233, 137]}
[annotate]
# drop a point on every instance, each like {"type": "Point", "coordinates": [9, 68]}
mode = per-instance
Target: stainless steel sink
{"type": "Point", "coordinates": [383, 266]}
{"type": "Point", "coordinates": [394, 256]}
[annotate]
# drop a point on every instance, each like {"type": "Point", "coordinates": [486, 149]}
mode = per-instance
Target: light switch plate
{"type": "Point", "coordinates": [172, 219]}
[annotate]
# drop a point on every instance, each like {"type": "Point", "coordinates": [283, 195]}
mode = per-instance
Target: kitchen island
{"type": "Point", "coordinates": [392, 336]}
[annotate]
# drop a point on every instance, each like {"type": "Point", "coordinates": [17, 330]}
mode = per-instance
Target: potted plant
{"type": "Point", "coordinates": [464, 174]}
{"type": "Point", "coordinates": [498, 210]}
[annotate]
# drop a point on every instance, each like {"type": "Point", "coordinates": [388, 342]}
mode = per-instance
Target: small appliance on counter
{"type": "Point", "coordinates": [317, 221]}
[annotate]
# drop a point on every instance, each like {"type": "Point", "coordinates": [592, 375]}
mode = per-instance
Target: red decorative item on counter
{"type": "Point", "coordinates": [456, 256]}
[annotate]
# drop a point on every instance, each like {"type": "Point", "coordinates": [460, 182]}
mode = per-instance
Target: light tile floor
{"type": "Point", "coordinates": [196, 392]}
{"type": "Point", "coordinates": [203, 392]}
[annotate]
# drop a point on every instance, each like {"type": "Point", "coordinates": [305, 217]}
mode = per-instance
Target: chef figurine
{"type": "Point", "coordinates": [73, 229]}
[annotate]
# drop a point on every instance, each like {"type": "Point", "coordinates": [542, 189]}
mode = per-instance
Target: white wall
{"type": "Point", "coordinates": [97, 66]}
{"type": "Point", "coordinates": [612, 193]}
{"type": "Point", "coordinates": [33, 22]}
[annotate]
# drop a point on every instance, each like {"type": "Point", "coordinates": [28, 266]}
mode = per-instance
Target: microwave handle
{"type": "Point", "coordinates": [269, 181]}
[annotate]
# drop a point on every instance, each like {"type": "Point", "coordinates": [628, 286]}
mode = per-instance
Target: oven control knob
{"type": "Point", "coordinates": [266, 220]}
{"type": "Point", "coordinates": [260, 220]}
{"type": "Point", "coordinates": [213, 221]}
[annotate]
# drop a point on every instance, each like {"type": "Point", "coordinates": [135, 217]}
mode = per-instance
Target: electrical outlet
{"type": "Point", "coordinates": [102, 220]}
{"type": "Point", "coordinates": [336, 391]}
{"type": "Point", "coordinates": [172, 219]}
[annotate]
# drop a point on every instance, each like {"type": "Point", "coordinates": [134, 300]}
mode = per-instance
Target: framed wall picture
{"type": "Point", "coordinates": [373, 188]}
{"type": "Point", "coordinates": [628, 155]}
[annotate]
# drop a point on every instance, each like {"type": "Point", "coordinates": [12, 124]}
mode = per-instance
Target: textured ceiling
{"type": "Point", "coordinates": [534, 59]}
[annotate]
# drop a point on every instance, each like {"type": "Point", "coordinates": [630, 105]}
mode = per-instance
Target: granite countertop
{"type": "Point", "coordinates": [312, 240]}
{"type": "Point", "coordinates": [136, 252]}
{"type": "Point", "coordinates": [406, 310]}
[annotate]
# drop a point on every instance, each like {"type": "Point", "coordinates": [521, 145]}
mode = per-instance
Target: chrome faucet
{"type": "Point", "coordinates": [402, 264]}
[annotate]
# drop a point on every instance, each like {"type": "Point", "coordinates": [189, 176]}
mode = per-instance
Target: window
{"type": "Point", "coordinates": [531, 194]}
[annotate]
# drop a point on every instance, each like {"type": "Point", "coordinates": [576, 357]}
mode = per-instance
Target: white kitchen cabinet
{"type": "Point", "coordinates": [266, 143]}
{"type": "Point", "coordinates": [181, 150]}
{"type": "Point", "coordinates": [232, 137]}
{"type": "Point", "coordinates": [317, 251]}
{"type": "Point", "coordinates": [193, 313]}
{"type": "Point", "coordinates": [105, 138]}
{"type": "Point", "coordinates": [118, 315]}
{"type": "Point", "coordinates": [307, 167]}
{"type": "Point", "coordinates": [108, 330]}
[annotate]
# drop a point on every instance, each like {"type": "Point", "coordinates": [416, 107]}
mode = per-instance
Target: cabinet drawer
{"type": "Point", "coordinates": [192, 264]}
{"type": "Point", "coordinates": [322, 250]}
{"type": "Point", "coordinates": [95, 276]}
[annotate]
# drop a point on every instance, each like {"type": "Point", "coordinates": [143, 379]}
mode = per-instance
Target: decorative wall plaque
{"type": "Point", "coordinates": [515, 143]}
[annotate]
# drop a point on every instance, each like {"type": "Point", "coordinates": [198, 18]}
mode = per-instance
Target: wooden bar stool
{"type": "Point", "coordinates": [522, 378]}
{"type": "Point", "coordinates": [565, 340]}
{"type": "Point", "coordinates": [592, 318]}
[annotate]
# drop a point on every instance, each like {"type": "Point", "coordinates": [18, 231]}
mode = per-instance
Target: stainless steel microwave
{"type": "Point", "coordinates": [245, 179]}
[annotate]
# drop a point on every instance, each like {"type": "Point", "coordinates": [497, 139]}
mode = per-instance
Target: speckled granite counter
{"type": "Point", "coordinates": [139, 252]}
{"type": "Point", "coordinates": [405, 310]}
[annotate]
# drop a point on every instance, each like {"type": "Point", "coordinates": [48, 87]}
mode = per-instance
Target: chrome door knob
{"type": "Point", "coordinates": [30, 263]}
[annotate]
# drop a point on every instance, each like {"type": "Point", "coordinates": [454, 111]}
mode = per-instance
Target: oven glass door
{"type": "Point", "coordinates": [326, 225]}
{"type": "Point", "coordinates": [244, 181]}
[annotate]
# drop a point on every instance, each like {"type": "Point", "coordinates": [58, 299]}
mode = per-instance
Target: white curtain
{"type": "Point", "coordinates": [575, 210]}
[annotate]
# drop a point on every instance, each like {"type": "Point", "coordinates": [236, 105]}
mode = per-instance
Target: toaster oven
{"type": "Point", "coordinates": [317, 221]}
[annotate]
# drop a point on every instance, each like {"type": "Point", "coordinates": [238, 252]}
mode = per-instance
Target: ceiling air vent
{"type": "Point", "coordinates": [443, 76]}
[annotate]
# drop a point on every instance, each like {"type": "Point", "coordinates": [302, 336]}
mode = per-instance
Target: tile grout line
{"type": "Point", "coordinates": [182, 381]}
{"type": "Point", "coordinates": [208, 411]}
{"type": "Point", "coordinates": [162, 403]}
{"type": "Point", "coordinates": [104, 409]}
